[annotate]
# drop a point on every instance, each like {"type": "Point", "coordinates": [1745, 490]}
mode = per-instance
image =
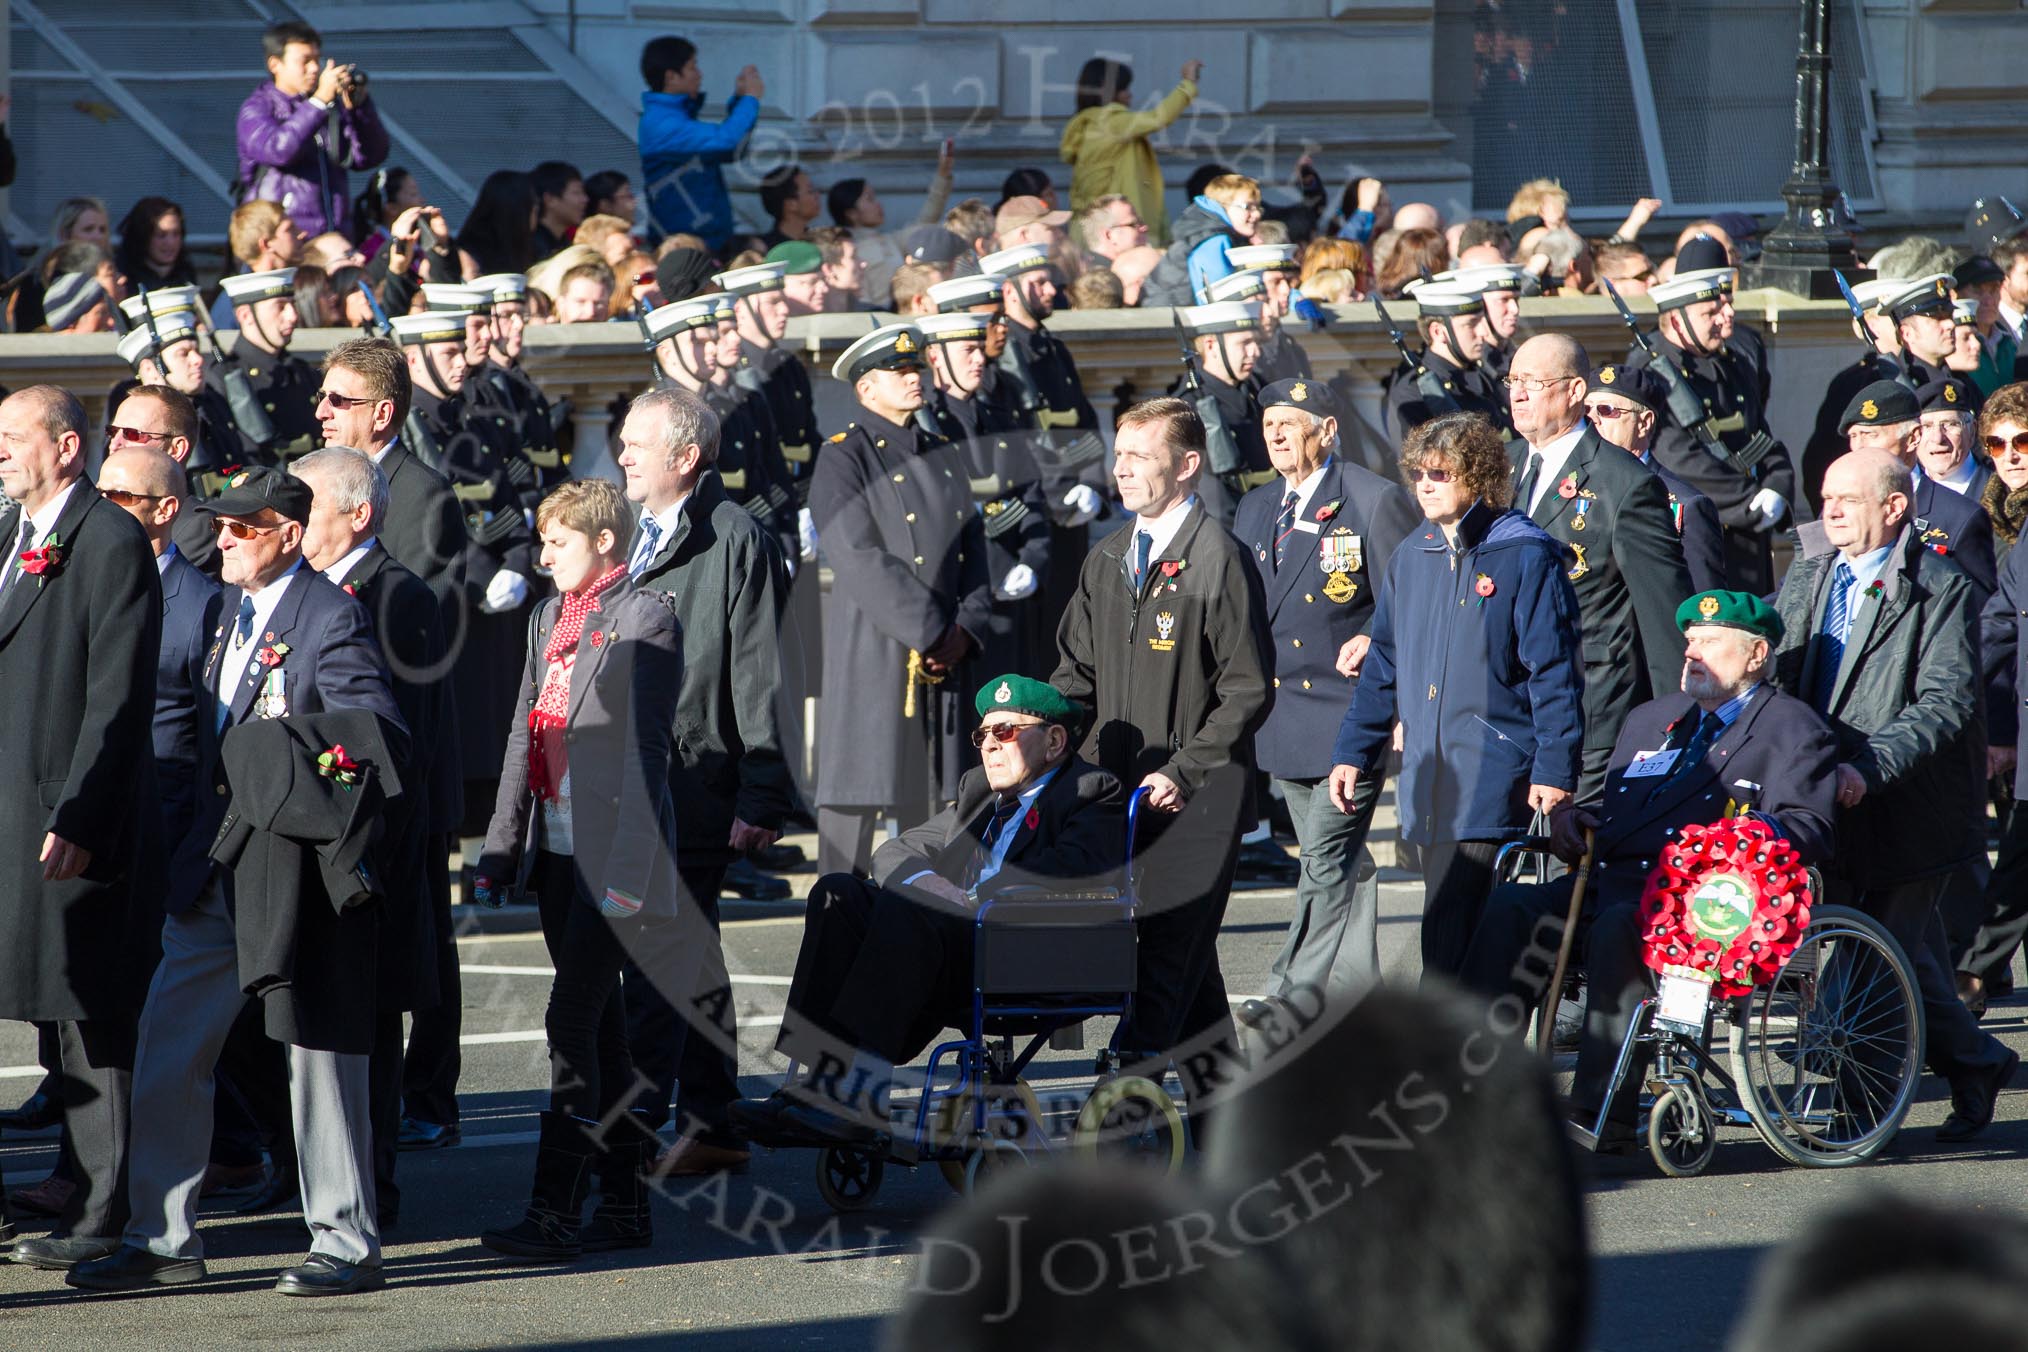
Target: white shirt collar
{"type": "Point", "coordinates": [1162, 529]}
{"type": "Point", "coordinates": [342, 569]}
{"type": "Point", "coordinates": [1960, 480]}
{"type": "Point", "coordinates": [45, 520]}
{"type": "Point", "coordinates": [1555, 455]}
{"type": "Point", "coordinates": [1307, 489]}
{"type": "Point", "coordinates": [232, 669]}
{"type": "Point", "coordinates": [666, 519]}
{"type": "Point", "coordinates": [2013, 319]}
{"type": "Point", "coordinates": [382, 453]}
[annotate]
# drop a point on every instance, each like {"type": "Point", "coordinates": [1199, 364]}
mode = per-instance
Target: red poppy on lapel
{"type": "Point", "coordinates": [1033, 819]}
{"type": "Point", "coordinates": [47, 561]}
{"type": "Point", "coordinates": [1568, 488]}
{"type": "Point", "coordinates": [1171, 567]}
{"type": "Point", "coordinates": [272, 655]}
{"type": "Point", "coordinates": [1328, 510]}
{"type": "Point", "coordinates": [351, 589]}
{"type": "Point", "coordinates": [598, 638]}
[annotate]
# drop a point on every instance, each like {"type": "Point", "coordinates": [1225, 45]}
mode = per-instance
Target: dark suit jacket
{"type": "Point", "coordinates": [1629, 574]}
{"type": "Point", "coordinates": [185, 724]}
{"type": "Point", "coordinates": [723, 574]}
{"type": "Point", "coordinates": [1697, 526]}
{"type": "Point", "coordinates": [1960, 527]}
{"type": "Point", "coordinates": [1078, 838]}
{"type": "Point", "coordinates": [1776, 758]}
{"type": "Point", "coordinates": [331, 663]}
{"type": "Point", "coordinates": [623, 693]}
{"type": "Point", "coordinates": [1176, 675]}
{"type": "Point", "coordinates": [78, 651]}
{"type": "Point", "coordinates": [1309, 613]}
{"type": "Point", "coordinates": [1907, 709]}
{"type": "Point", "coordinates": [425, 532]}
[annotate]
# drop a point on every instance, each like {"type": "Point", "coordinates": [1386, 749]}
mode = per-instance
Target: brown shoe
{"type": "Point", "coordinates": [220, 1179]}
{"type": "Point", "coordinates": [47, 1198]}
{"type": "Point", "coordinates": [692, 1158]}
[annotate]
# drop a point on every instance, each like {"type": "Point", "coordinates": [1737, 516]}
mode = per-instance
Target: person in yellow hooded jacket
{"type": "Point", "coordinates": [1106, 143]}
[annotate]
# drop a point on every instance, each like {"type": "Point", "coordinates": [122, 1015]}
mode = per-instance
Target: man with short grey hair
{"type": "Point", "coordinates": [348, 503]}
{"type": "Point", "coordinates": [730, 776]}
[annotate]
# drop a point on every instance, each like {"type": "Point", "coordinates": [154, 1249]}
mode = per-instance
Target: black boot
{"type": "Point", "coordinates": [620, 1220]}
{"type": "Point", "coordinates": [549, 1232]}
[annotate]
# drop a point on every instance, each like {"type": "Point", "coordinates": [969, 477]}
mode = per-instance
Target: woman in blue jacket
{"type": "Point", "coordinates": [1476, 651]}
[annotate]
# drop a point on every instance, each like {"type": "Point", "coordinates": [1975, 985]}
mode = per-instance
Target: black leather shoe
{"type": "Point", "coordinates": [1972, 1102]}
{"type": "Point", "coordinates": [743, 880]}
{"type": "Point", "coordinates": [61, 1255]}
{"type": "Point", "coordinates": [322, 1275]}
{"type": "Point", "coordinates": [1263, 861]}
{"type": "Point", "coordinates": [779, 858]}
{"type": "Point", "coordinates": [283, 1187]}
{"type": "Point", "coordinates": [417, 1134]}
{"type": "Point", "coordinates": [811, 1122]}
{"type": "Point", "coordinates": [132, 1269]}
{"type": "Point", "coordinates": [761, 1119]}
{"type": "Point", "coordinates": [35, 1113]}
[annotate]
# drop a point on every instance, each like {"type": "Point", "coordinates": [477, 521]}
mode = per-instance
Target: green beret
{"type": "Point", "coordinates": [796, 257]}
{"type": "Point", "coordinates": [1025, 695]}
{"type": "Point", "coordinates": [1732, 610]}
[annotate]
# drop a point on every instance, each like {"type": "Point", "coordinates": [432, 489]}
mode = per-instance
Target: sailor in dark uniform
{"type": "Point", "coordinates": [1224, 339]}
{"type": "Point", "coordinates": [980, 293]}
{"type": "Point", "coordinates": [165, 350]}
{"type": "Point", "coordinates": [1926, 330]}
{"type": "Point", "coordinates": [1826, 442]}
{"type": "Point", "coordinates": [762, 312]}
{"type": "Point", "coordinates": [1006, 489]}
{"type": "Point", "coordinates": [909, 601]}
{"type": "Point", "coordinates": [500, 550]}
{"type": "Point", "coordinates": [504, 386]}
{"type": "Point", "coordinates": [1499, 286]}
{"type": "Point", "coordinates": [1623, 405]}
{"type": "Point", "coordinates": [1040, 380]}
{"type": "Point", "coordinates": [1753, 484]}
{"type": "Point", "coordinates": [1281, 356]}
{"type": "Point", "coordinates": [748, 436]}
{"type": "Point", "coordinates": [486, 404]}
{"type": "Point", "coordinates": [1454, 335]}
{"type": "Point", "coordinates": [264, 306]}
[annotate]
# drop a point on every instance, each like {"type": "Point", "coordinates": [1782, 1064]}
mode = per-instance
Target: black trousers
{"type": "Point", "coordinates": [429, 1072]}
{"type": "Point", "coordinates": [877, 970]}
{"type": "Point", "coordinates": [2004, 923]}
{"type": "Point", "coordinates": [97, 1060]}
{"type": "Point", "coordinates": [590, 1069]}
{"type": "Point", "coordinates": [1956, 1046]}
{"type": "Point", "coordinates": [1184, 866]}
{"type": "Point", "coordinates": [697, 1066]}
{"type": "Point", "coordinates": [1457, 877]}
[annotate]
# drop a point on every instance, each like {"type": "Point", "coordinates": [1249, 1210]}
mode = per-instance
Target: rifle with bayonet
{"type": "Point", "coordinates": [1685, 407]}
{"type": "Point", "coordinates": [414, 430]}
{"type": "Point", "coordinates": [1436, 396]}
{"type": "Point", "coordinates": [248, 415]}
{"type": "Point", "coordinates": [1888, 367]}
{"type": "Point", "coordinates": [1221, 447]}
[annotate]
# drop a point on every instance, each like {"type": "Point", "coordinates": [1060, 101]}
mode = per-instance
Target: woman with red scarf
{"type": "Point", "coordinates": [585, 819]}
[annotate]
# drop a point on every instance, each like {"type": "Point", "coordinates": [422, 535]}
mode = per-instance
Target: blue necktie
{"type": "Point", "coordinates": [1831, 638]}
{"type": "Point", "coordinates": [1003, 812]}
{"type": "Point", "coordinates": [651, 540]}
{"type": "Point", "coordinates": [1285, 524]}
{"type": "Point", "coordinates": [1708, 729]}
{"type": "Point", "coordinates": [246, 613]}
{"type": "Point", "coordinates": [1143, 544]}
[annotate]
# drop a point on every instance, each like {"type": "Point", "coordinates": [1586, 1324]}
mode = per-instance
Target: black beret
{"type": "Point", "coordinates": [1978, 270]}
{"type": "Point", "coordinates": [1881, 404]}
{"type": "Point", "coordinates": [1311, 396]}
{"type": "Point", "coordinates": [1637, 383]}
{"type": "Point", "coordinates": [1947, 392]}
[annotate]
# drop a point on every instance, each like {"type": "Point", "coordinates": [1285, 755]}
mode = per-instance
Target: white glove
{"type": "Point", "coordinates": [1769, 506]}
{"type": "Point", "coordinates": [506, 591]}
{"type": "Point", "coordinates": [1019, 583]}
{"type": "Point", "coordinates": [1083, 500]}
{"type": "Point", "coordinates": [806, 529]}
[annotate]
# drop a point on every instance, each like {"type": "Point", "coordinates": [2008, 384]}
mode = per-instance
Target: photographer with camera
{"type": "Point", "coordinates": [299, 133]}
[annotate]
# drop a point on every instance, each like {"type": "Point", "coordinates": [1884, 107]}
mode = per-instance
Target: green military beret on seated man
{"type": "Point", "coordinates": [1731, 610]}
{"type": "Point", "coordinates": [1025, 695]}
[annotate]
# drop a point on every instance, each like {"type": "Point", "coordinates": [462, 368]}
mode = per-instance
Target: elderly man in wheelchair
{"type": "Point", "coordinates": [1729, 743]}
{"type": "Point", "coordinates": [885, 965]}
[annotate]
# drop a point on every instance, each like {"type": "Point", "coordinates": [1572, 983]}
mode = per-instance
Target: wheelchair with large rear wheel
{"type": "Point", "coordinates": [1823, 1060]}
{"type": "Point", "coordinates": [1043, 962]}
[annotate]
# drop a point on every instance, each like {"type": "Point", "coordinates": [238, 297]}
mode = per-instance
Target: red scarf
{"type": "Point", "coordinates": [547, 760]}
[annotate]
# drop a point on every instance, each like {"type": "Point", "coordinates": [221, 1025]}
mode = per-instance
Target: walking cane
{"type": "Point", "coordinates": [1545, 1026]}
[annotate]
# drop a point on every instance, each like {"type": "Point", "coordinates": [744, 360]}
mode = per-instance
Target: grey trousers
{"type": "Point", "coordinates": [1333, 944]}
{"type": "Point", "coordinates": [192, 1003]}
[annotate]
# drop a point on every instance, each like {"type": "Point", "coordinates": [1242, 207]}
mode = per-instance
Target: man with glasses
{"type": "Point", "coordinates": [1613, 519]}
{"type": "Point", "coordinates": [1111, 226]}
{"type": "Point", "coordinates": [886, 963]}
{"type": "Point", "coordinates": [1623, 406]}
{"type": "Point", "coordinates": [159, 418]}
{"type": "Point", "coordinates": [1943, 445]}
{"type": "Point", "coordinates": [1886, 416]}
{"type": "Point", "coordinates": [167, 352]}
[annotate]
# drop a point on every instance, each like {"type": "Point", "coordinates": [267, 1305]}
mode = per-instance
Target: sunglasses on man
{"type": "Point", "coordinates": [1001, 732]}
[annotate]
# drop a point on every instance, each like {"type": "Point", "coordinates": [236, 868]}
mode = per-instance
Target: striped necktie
{"type": "Point", "coordinates": [1285, 526]}
{"type": "Point", "coordinates": [1831, 638]}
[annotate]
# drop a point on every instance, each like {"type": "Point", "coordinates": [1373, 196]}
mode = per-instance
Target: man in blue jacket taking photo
{"type": "Point", "coordinates": [683, 160]}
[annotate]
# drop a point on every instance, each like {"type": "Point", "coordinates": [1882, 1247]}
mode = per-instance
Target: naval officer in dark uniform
{"type": "Point", "coordinates": [909, 600]}
{"type": "Point", "coordinates": [1321, 536]}
{"type": "Point", "coordinates": [1224, 339]}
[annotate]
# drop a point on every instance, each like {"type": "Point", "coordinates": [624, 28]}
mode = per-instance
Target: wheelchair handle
{"type": "Point", "coordinates": [1134, 801]}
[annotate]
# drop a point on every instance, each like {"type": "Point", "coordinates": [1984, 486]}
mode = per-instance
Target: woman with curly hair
{"type": "Point", "coordinates": [1476, 651]}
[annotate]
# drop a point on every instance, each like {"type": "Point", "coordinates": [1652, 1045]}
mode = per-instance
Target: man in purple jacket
{"type": "Point", "coordinates": [300, 132]}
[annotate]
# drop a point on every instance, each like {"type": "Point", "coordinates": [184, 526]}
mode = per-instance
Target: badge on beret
{"type": "Point", "coordinates": [1299, 392]}
{"type": "Point", "coordinates": [1607, 375]}
{"type": "Point", "coordinates": [1950, 393]}
{"type": "Point", "coordinates": [1006, 692]}
{"type": "Point", "coordinates": [1869, 409]}
{"type": "Point", "coordinates": [1708, 607]}
{"type": "Point", "coordinates": [236, 480]}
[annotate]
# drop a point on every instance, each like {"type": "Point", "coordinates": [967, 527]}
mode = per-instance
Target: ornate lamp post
{"type": "Point", "coordinates": [1801, 252]}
